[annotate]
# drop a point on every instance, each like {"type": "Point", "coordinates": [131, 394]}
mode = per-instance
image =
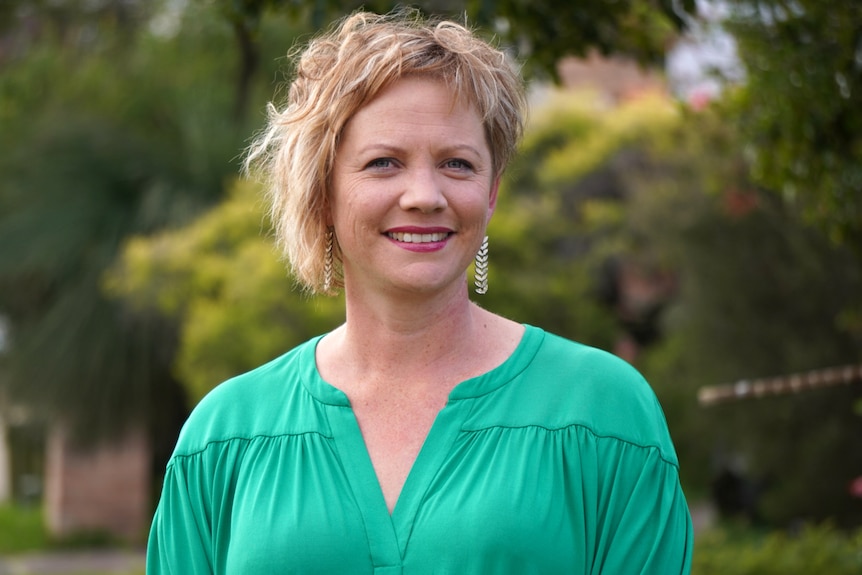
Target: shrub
{"type": "Point", "coordinates": [813, 550]}
{"type": "Point", "coordinates": [21, 529]}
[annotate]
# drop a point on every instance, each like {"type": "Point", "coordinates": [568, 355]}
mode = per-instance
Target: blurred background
{"type": "Point", "coordinates": [688, 196]}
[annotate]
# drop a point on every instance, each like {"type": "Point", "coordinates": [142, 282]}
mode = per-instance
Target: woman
{"type": "Point", "coordinates": [426, 434]}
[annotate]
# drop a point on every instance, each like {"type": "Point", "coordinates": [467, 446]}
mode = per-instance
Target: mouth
{"type": "Point", "coordinates": [414, 238]}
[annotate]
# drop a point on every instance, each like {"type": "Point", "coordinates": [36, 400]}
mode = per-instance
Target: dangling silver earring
{"type": "Point", "coordinates": [327, 261]}
{"type": "Point", "coordinates": [481, 281]}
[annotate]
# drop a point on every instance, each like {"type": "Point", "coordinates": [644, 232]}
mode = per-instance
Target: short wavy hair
{"type": "Point", "coordinates": [335, 75]}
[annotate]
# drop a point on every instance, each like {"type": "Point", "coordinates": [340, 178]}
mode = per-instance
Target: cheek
{"type": "Point", "coordinates": [481, 207]}
{"type": "Point", "coordinates": [356, 214]}
{"type": "Point", "coordinates": [343, 200]}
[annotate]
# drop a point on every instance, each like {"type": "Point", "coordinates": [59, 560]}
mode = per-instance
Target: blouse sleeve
{"type": "Point", "coordinates": [645, 526]}
{"type": "Point", "coordinates": [180, 540]}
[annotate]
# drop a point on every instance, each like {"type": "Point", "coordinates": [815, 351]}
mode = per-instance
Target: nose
{"type": "Point", "coordinates": [424, 191]}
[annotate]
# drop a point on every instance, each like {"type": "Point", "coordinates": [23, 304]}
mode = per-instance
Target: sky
{"type": "Point", "coordinates": [706, 57]}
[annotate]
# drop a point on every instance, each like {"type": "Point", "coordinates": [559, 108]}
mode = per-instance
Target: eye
{"type": "Point", "coordinates": [380, 164]}
{"type": "Point", "coordinates": [458, 164]}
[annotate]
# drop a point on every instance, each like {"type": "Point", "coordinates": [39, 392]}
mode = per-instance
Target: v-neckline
{"type": "Point", "coordinates": [388, 534]}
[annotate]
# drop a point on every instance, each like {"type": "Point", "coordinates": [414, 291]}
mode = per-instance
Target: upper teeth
{"type": "Point", "coordinates": [418, 238]}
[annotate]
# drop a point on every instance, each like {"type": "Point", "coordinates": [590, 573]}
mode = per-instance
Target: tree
{"type": "Point", "coordinates": [800, 109]}
{"type": "Point", "coordinates": [761, 294]}
{"type": "Point", "coordinates": [549, 30]}
{"type": "Point", "coordinates": [221, 280]}
{"type": "Point", "coordinates": [95, 150]}
{"type": "Point", "coordinates": [542, 32]}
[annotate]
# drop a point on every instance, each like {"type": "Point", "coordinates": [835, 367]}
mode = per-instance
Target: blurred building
{"type": "Point", "coordinates": [98, 489]}
{"type": "Point", "coordinates": [102, 490]}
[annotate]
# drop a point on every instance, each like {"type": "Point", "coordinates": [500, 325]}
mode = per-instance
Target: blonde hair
{"type": "Point", "coordinates": [335, 75]}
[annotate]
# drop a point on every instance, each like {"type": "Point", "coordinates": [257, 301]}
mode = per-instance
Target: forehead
{"type": "Point", "coordinates": [416, 103]}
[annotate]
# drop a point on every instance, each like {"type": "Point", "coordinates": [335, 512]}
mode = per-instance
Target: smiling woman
{"type": "Point", "coordinates": [340, 72]}
{"type": "Point", "coordinates": [412, 190]}
{"type": "Point", "coordinates": [425, 434]}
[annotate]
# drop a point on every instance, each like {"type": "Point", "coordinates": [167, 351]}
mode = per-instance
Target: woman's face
{"type": "Point", "coordinates": [412, 189]}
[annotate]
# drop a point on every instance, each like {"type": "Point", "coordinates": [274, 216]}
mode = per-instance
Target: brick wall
{"type": "Point", "coordinates": [98, 489]}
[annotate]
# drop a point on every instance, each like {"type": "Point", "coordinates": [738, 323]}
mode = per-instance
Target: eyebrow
{"type": "Point", "coordinates": [391, 148]}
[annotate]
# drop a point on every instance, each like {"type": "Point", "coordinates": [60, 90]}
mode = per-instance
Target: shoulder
{"type": "Point", "coordinates": [568, 383]}
{"type": "Point", "coordinates": [589, 374]}
{"type": "Point", "coordinates": [559, 353]}
{"type": "Point", "coordinates": [251, 404]}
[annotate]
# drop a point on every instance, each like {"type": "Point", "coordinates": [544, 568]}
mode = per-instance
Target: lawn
{"type": "Point", "coordinates": [24, 540]}
{"type": "Point", "coordinates": [21, 529]}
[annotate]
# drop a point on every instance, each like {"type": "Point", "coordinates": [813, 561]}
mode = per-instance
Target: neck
{"type": "Point", "coordinates": [408, 328]}
{"type": "Point", "coordinates": [428, 338]}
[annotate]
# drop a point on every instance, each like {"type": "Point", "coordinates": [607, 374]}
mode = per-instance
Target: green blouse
{"type": "Point", "coordinates": [557, 461]}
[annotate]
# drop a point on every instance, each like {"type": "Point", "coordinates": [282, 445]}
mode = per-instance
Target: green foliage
{"type": "Point", "coordinates": [549, 234]}
{"type": "Point", "coordinates": [800, 110]}
{"type": "Point", "coordinates": [221, 279]}
{"type": "Point", "coordinates": [23, 534]}
{"type": "Point", "coordinates": [760, 294]}
{"type": "Point", "coordinates": [102, 140]}
{"type": "Point", "coordinates": [545, 31]}
{"type": "Point", "coordinates": [542, 31]}
{"type": "Point", "coordinates": [815, 549]}
{"type": "Point", "coordinates": [21, 529]}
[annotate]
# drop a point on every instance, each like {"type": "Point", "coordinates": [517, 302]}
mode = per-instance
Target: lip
{"type": "Point", "coordinates": [425, 246]}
